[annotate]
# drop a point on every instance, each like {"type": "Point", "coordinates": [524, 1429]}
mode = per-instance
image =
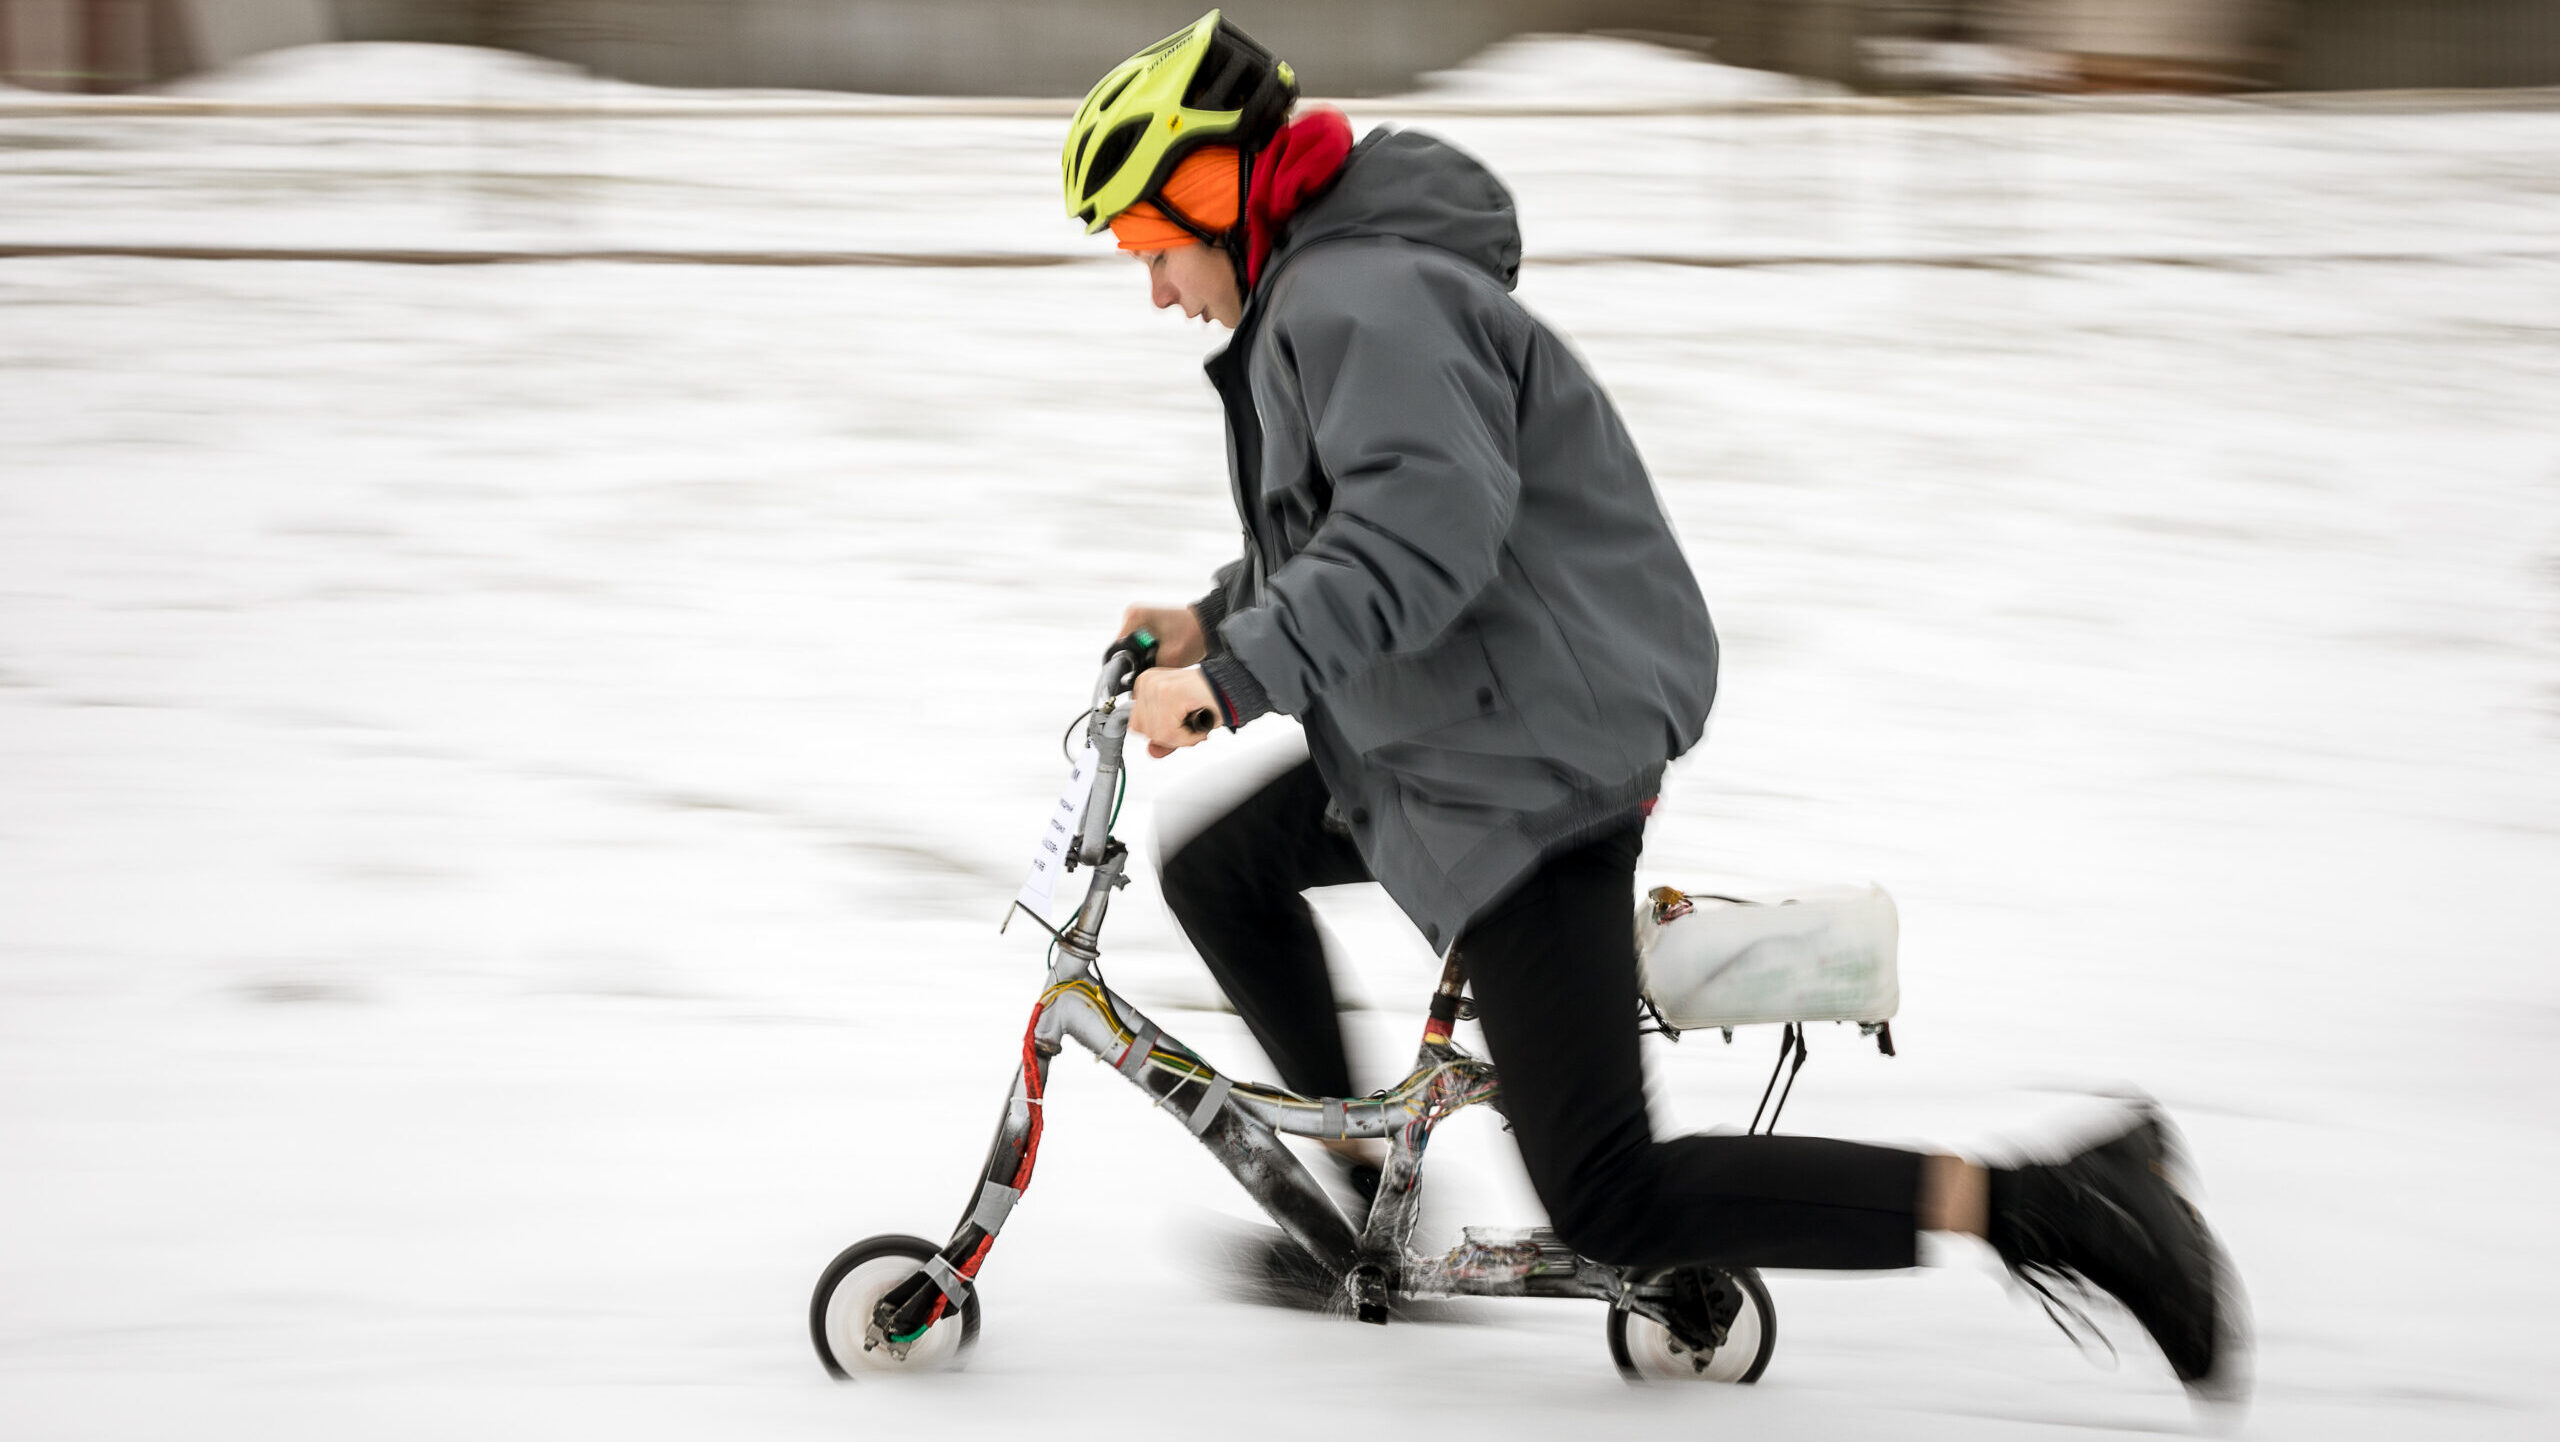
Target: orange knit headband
{"type": "Point", "coordinates": [1203, 187]}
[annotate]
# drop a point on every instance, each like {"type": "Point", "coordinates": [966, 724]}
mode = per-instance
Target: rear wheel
{"type": "Point", "coordinates": [1646, 1351]}
{"type": "Point", "coordinates": [854, 1283]}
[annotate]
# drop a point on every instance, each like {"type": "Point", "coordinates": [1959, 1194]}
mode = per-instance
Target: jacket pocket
{"type": "Point", "coordinates": [1405, 696]}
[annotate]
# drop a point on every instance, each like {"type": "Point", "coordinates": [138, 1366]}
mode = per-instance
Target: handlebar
{"type": "Point", "coordinates": [1138, 651]}
{"type": "Point", "coordinates": [1109, 729]}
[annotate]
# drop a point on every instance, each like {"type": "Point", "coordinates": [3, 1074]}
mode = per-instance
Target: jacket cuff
{"type": "Point", "coordinates": [1212, 609]}
{"type": "Point", "coordinates": [1238, 693]}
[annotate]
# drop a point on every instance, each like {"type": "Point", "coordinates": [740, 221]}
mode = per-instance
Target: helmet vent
{"type": "Point", "coordinates": [1220, 87]}
{"type": "Point", "coordinates": [1113, 152]}
{"type": "Point", "coordinates": [1116, 92]}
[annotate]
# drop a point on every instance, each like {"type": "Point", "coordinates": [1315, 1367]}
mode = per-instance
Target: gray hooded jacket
{"type": "Point", "coordinates": [1456, 573]}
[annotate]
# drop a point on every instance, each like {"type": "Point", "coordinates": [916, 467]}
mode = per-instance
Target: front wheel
{"type": "Point", "coordinates": [853, 1284]}
{"type": "Point", "coordinates": [1646, 1351]}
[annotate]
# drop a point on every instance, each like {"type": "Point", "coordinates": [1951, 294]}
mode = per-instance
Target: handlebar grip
{"type": "Point", "coordinates": [1200, 722]}
{"type": "Point", "coordinates": [1139, 646]}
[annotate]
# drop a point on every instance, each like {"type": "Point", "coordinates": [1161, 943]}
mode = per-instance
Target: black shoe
{"type": "Point", "coordinates": [1704, 1303]}
{"type": "Point", "coordinates": [2112, 1217]}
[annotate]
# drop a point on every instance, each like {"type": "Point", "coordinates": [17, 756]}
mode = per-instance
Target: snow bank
{"type": "Point", "coordinates": [1526, 70]}
{"type": "Point", "coordinates": [386, 71]}
{"type": "Point", "coordinates": [1604, 70]}
{"type": "Point", "coordinates": [1967, 67]}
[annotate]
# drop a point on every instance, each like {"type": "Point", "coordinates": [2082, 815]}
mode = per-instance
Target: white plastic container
{"type": "Point", "coordinates": [1823, 953]}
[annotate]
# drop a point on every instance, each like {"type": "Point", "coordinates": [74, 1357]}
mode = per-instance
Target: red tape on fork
{"type": "Point", "coordinates": [1030, 1154]}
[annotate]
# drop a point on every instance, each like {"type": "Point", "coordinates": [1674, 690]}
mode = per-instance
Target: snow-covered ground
{"type": "Point", "coordinates": [508, 775]}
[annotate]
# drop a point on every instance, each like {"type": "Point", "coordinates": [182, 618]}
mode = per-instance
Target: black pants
{"type": "Point", "coordinates": [1552, 969]}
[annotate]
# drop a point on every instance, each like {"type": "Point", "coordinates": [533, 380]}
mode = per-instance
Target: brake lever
{"type": "Point", "coordinates": [1140, 647]}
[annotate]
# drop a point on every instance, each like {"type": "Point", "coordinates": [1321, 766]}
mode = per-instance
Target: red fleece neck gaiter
{"type": "Point", "coordinates": [1299, 164]}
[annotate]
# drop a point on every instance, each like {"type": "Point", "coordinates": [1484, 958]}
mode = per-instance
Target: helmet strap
{"type": "Point", "coordinates": [1240, 254]}
{"type": "Point", "coordinates": [1193, 228]}
{"type": "Point", "coordinates": [1236, 242]}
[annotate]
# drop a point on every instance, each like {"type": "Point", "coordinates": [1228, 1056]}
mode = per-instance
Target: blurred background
{"type": "Point", "coordinates": [1366, 47]}
{"type": "Point", "coordinates": [545, 549]}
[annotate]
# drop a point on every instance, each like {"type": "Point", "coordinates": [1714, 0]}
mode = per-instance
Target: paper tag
{"type": "Point", "coordinates": [1058, 839]}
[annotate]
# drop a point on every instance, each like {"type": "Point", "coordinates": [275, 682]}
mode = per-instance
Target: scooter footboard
{"type": "Point", "coordinates": [1492, 1263]}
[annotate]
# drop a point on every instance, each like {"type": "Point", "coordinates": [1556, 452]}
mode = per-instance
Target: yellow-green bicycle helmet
{"type": "Point", "coordinates": [1207, 84]}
